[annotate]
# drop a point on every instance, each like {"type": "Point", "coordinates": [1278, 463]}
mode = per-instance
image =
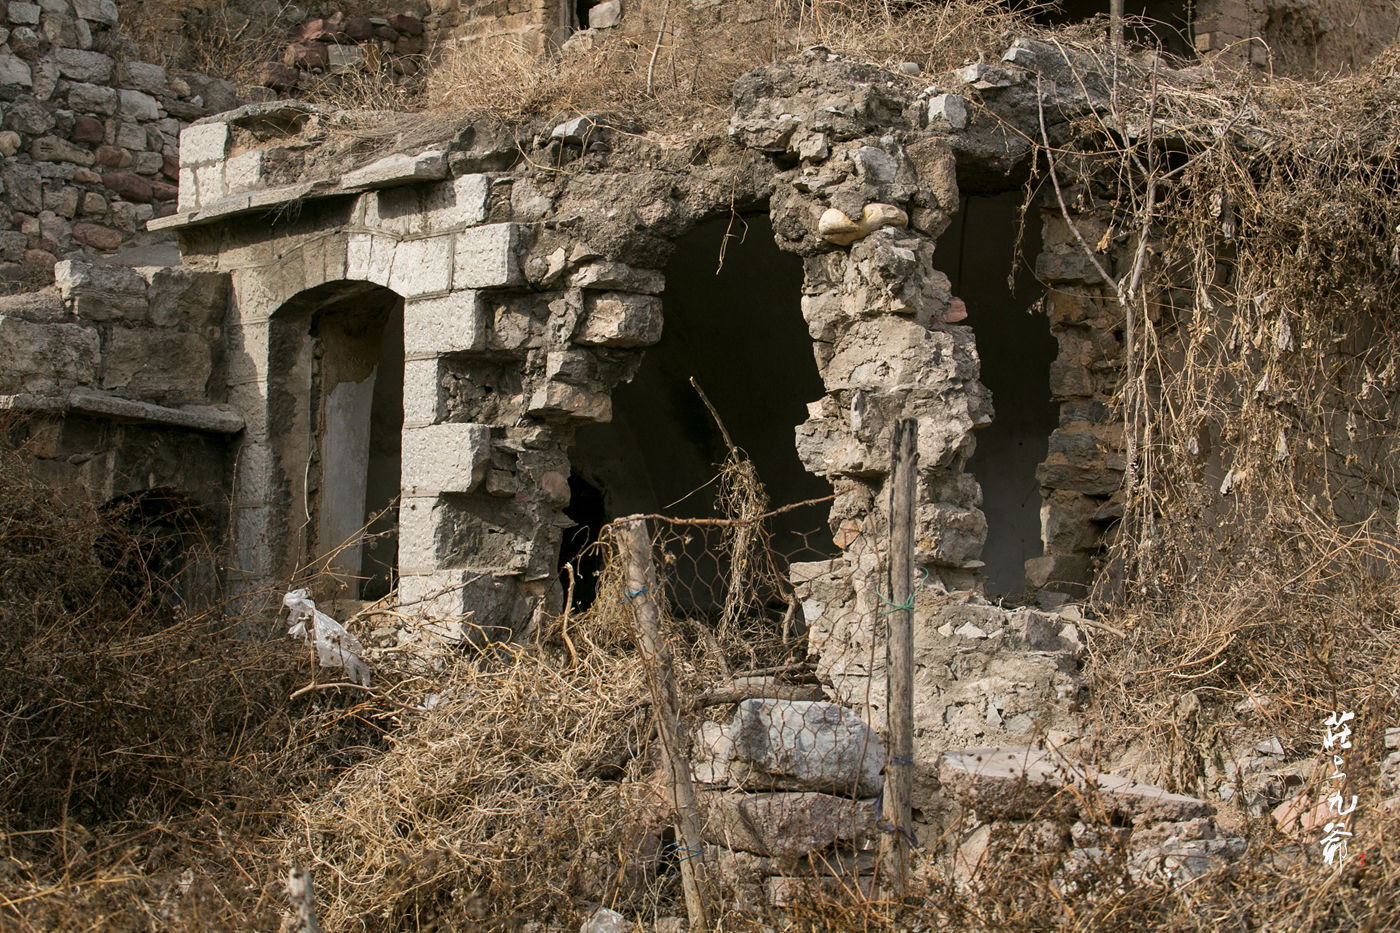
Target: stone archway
{"type": "Point", "coordinates": [335, 405]}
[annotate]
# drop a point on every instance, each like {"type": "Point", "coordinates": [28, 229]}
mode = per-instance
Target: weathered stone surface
{"type": "Point", "coordinates": [77, 65]}
{"type": "Point", "coordinates": [605, 15]}
{"type": "Point", "coordinates": [616, 276]}
{"type": "Point", "coordinates": [1024, 783]}
{"type": "Point", "coordinates": [138, 105]}
{"type": "Point", "coordinates": [558, 399]}
{"type": "Point", "coordinates": [783, 825]}
{"type": "Point", "coordinates": [805, 745]}
{"type": "Point", "coordinates": [156, 363]}
{"type": "Point", "coordinates": [443, 458]}
{"type": "Point", "coordinates": [143, 76]}
{"type": "Point", "coordinates": [455, 203]}
{"type": "Point", "coordinates": [192, 299]}
{"type": "Point", "coordinates": [24, 14]}
{"type": "Point", "coordinates": [398, 169]}
{"type": "Point", "coordinates": [101, 293]}
{"type": "Point", "coordinates": [618, 319]}
{"type": "Point", "coordinates": [422, 266]}
{"type": "Point", "coordinates": [53, 149]}
{"type": "Point", "coordinates": [203, 143]}
{"type": "Point", "coordinates": [486, 257]}
{"type": "Point", "coordinates": [97, 11]}
{"type": "Point", "coordinates": [112, 156]}
{"type": "Point", "coordinates": [129, 185]}
{"type": "Point", "coordinates": [241, 172]}
{"type": "Point", "coordinates": [15, 72]}
{"type": "Point", "coordinates": [948, 110]}
{"type": "Point", "coordinates": [455, 323]}
{"type": "Point", "coordinates": [87, 130]}
{"type": "Point", "coordinates": [45, 357]}
{"type": "Point", "coordinates": [97, 236]}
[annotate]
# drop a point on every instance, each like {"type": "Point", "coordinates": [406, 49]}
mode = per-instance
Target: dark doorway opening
{"type": "Point", "coordinates": [1163, 24]}
{"type": "Point", "coordinates": [337, 420]}
{"type": "Point", "coordinates": [740, 334]}
{"type": "Point", "coordinates": [588, 511]}
{"type": "Point", "coordinates": [1016, 349]}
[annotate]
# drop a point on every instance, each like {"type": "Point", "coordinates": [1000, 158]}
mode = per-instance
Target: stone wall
{"type": "Point", "coordinates": [533, 26]}
{"type": "Point", "coordinates": [89, 135]}
{"type": "Point", "coordinates": [324, 54]}
{"type": "Point", "coordinates": [110, 383]}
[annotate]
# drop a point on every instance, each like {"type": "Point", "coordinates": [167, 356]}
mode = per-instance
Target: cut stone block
{"type": "Point", "coordinates": [422, 267]}
{"type": "Point", "coordinates": [242, 172]}
{"type": "Point", "coordinates": [456, 203]}
{"type": "Point", "coordinates": [486, 257]}
{"type": "Point", "coordinates": [422, 392]}
{"type": "Point", "coordinates": [806, 745]}
{"type": "Point", "coordinates": [784, 825]}
{"type": "Point", "coordinates": [1026, 783]}
{"type": "Point", "coordinates": [450, 596]}
{"type": "Point", "coordinates": [203, 143]}
{"type": "Point", "coordinates": [445, 458]}
{"type": "Point", "coordinates": [455, 323]}
{"type": "Point", "coordinates": [398, 169]}
{"type": "Point", "coordinates": [45, 357]}
{"type": "Point", "coordinates": [101, 293]}
{"type": "Point", "coordinates": [370, 258]}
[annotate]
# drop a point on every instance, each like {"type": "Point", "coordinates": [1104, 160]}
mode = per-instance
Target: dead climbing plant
{"type": "Point", "coordinates": [1252, 249]}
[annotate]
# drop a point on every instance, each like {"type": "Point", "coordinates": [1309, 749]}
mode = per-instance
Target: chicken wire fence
{"type": "Point", "coordinates": [766, 673]}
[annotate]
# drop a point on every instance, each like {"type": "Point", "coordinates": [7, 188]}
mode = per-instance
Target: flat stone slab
{"type": "Point", "coordinates": [1029, 783]}
{"type": "Point", "coordinates": [784, 825]}
{"type": "Point", "coordinates": [210, 419]}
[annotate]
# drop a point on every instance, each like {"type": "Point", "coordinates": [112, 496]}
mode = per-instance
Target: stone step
{"type": "Point", "coordinates": [1029, 783]}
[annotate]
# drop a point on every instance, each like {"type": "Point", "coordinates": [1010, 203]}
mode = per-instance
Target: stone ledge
{"type": "Point", "coordinates": [210, 419]}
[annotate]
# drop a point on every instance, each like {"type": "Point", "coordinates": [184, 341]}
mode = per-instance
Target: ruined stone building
{"type": "Point", "coordinates": [473, 340]}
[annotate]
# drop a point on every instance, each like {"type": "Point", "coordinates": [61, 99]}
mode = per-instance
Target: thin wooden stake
{"type": "Point", "coordinates": [899, 661]}
{"type": "Point", "coordinates": [303, 895]}
{"type": "Point", "coordinates": [635, 541]}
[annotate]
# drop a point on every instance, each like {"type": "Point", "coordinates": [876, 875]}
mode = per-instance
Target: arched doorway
{"type": "Point", "coordinates": [336, 420]}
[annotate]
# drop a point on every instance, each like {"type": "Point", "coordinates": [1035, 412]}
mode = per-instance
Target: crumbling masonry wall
{"type": "Point", "coordinates": [89, 137]}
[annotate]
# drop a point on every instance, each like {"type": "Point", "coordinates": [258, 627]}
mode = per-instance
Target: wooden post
{"type": "Point", "coordinates": [656, 656]}
{"type": "Point", "coordinates": [303, 895]}
{"type": "Point", "coordinates": [899, 660]}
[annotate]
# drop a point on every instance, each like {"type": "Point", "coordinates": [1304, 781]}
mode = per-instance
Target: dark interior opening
{"type": "Point", "coordinates": [1163, 24]}
{"type": "Point", "coordinates": [148, 541]}
{"type": "Point", "coordinates": [379, 563]}
{"type": "Point", "coordinates": [337, 423]}
{"type": "Point", "coordinates": [581, 8]}
{"type": "Point", "coordinates": [740, 334]}
{"type": "Point", "coordinates": [589, 514]}
{"type": "Point", "coordinates": [1016, 347]}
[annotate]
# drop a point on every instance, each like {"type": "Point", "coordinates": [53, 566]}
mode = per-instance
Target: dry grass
{"type": "Point", "coordinates": [144, 748]}
{"type": "Point", "coordinates": [677, 67]}
{"type": "Point", "coordinates": [1256, 557]}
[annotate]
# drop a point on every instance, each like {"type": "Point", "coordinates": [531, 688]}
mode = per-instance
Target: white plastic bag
{"type": "Point", "coordinates": [335, 647]}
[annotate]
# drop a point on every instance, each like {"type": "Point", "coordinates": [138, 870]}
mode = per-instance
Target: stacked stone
{"type": "Point", "coordinates": [787, 793]}
{"type": "Point", "coordinates": [89, 133]}
{"type": "Point", "coordinates": [530, 25]}
{"type": "Point", "coordinates": [1082, 473]}
{"type": "Point", "coordinates": [868, 197]}
{"type": "Point", "coordinates": [338, 45]}
{"type": "Point", "coordinates": [1075, 824]}
{"type": "Point", "coordinates": [1226, 26]}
